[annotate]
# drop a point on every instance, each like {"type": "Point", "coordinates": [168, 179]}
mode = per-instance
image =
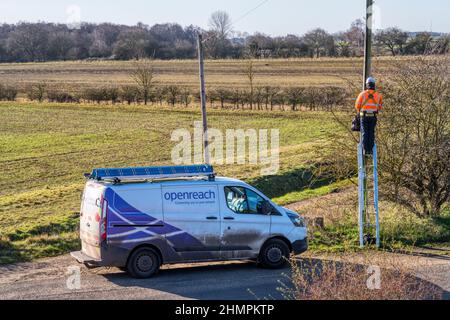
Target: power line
{"type": "Point", "coordinates": [249, 12]}
{"type": "Point", "coordinates": [233, 23]}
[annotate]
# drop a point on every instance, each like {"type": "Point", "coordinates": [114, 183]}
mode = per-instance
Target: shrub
{"type": "Point", "coordinates": [8, 93]}
{"type": "Point", "coordinates": [160, 94]}
{"type": "Point", "coordinates": [36, 92]}
{"type": "Point", "coordinates": [294, 96]}
{"type": "Point", "coordinates": [172, 94]}
{"type": "Point", "coordinates": [129, 94]}
{"type": "Point", "coordinates": [185, 97]}
{"type": "Point", "coordinates": [60, 96]}
{"type": "Point", "coordinates": [222, 95]}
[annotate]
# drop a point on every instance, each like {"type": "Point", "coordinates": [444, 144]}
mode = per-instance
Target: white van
{"type": "Point", "coordinates": [141, 218]}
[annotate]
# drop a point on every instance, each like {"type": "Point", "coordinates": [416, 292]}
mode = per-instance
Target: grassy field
{"type": "Point", "coordinates": [46, 148]}
{"type": "Point", "coordinates": [77, 75]}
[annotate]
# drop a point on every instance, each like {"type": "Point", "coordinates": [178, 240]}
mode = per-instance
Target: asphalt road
{"type": "Point", "coordinates": [47, 279]}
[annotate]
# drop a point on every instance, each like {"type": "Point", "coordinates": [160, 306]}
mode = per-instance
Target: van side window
{"type": "Point", "coordinates": [243, 201]}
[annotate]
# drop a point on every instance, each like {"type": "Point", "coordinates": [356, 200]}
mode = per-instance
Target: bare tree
{"type": "Point", "coordinates": [320, 42]}
{"type": "Point", "coordinates": [250, 73]}
{"type": "Point", "coordinates": [37, 91]}
{"type": "Point", "coordinates": [220, 23]}
{"type": "Point", "coordinates": [393, 39]}
{"type": "Point", "coordinates": [413, 136]}
{"type": "Point", "coordinates": [143, 76]}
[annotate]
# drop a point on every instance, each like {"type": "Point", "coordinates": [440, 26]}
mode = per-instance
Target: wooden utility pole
{"type": "Point", "coordinates": [203, 99]}
{"type": "Point", "coordinates": [365, 224]}
{"type": "Point", "coordinates": [368, 42]}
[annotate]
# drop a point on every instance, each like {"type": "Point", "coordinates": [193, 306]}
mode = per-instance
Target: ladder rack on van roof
{"type": "Point", "coordinates": [119, 175]}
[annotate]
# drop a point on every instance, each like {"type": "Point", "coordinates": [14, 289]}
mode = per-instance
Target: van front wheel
{"type": "Point", "coordinates": [274, 254]}
{"type": "Point", "coordinates": [143, 263]}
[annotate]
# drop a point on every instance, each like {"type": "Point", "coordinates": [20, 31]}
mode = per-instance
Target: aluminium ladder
{"type": "Point", "coordinates": [369, 220]}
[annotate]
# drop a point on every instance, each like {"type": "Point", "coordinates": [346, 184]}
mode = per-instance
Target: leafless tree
{"type": "Point", "coordinates": [413, 135]}
{"type": "Point", "coordinates": [320, 42]}
{"type": "Point", "coordinates": [393, 39]}
{"type": "Point", "coordinates": [250, 73]}
{"type": "Point", "coordinates": [220, 23]}
{"type": "Point", "coordinates": [143, 76]}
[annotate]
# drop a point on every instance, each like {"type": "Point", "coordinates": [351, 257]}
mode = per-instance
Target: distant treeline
{"type": "Point", "coordinates": [25, 42]}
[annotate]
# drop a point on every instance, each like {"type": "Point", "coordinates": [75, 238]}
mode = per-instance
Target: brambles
{"type": "Point", "coordinates": [354, 278]}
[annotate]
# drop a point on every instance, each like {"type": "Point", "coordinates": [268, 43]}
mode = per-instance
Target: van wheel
{"type": "Point", "coordinates": [274, 254]}
{"type": "Point", "coordinates": [143, 263]}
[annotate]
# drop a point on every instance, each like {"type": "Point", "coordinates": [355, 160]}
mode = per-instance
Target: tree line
{"type": "Point", "coordinates": [25, 42]}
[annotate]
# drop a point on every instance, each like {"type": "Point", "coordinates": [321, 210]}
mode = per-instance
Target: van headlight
{"type": "Point", "coordinates": [296, 219]}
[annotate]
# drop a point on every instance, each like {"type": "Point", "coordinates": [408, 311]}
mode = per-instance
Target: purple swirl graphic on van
{"type": "Point", "coordinates": [120, 212]}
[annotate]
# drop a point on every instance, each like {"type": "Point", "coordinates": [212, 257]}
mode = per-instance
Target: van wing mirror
{"type": "Point", "coordinates": [267, 208]}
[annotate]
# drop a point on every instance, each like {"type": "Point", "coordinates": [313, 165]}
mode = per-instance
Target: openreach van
{"type": "Point", "coordinates": [141, 218]}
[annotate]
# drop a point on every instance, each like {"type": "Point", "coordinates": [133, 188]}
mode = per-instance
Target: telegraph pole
{"type": "Point", "coordinates": [203, 99]}
{"type": "Point", "coordinates": [363, 160]}
{"type": "Point", "coordinates": [368, 42]}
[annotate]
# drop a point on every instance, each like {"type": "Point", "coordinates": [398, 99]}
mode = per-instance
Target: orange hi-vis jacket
{"type": "Point", "coordinates": [369, 101]}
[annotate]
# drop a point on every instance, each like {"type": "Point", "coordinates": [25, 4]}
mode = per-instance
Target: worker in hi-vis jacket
{"type": "Point", "coordinates": [368, 105]}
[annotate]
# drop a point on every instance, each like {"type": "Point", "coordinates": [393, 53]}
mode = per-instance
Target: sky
{"type": "Point", "coordinates": [272, 17]}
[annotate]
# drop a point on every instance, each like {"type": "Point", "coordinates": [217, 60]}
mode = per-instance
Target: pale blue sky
{"type": "Point", "coordinates": [276, 17]}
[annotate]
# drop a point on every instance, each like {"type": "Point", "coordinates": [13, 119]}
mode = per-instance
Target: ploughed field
{"type": "Point", "coordinates": [46, 148]}
{"type": "Point", "coordinates": [228, 74]}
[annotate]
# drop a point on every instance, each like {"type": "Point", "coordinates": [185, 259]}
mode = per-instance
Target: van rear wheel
{"type": "Point", "coordinates": [143, 263]}
{"type": "Point", "coordinates": [274, 254]}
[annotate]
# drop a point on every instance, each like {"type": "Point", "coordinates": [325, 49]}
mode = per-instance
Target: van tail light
{"type": "Point", "coordinates": [103, 220]}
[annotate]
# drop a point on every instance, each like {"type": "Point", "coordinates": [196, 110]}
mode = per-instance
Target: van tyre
{"type": "Point", "coordinates": [274, 254]}
{"type": "Point", "coordinates": [143, 263]}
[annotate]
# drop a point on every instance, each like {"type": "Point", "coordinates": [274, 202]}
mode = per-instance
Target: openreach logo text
{"type": "Point", "coordinates": [232, 146]}
{"type": "Point", "coordinates": [177, 196]}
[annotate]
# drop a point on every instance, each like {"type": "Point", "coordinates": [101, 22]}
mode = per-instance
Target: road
{"type": "Point", "coordinates": [47, 279]}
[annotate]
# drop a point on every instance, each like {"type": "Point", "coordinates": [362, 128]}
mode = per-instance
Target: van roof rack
{"type": "Point", "coordinates": [118, 175]}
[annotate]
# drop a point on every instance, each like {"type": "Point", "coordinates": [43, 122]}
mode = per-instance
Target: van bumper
{"type": "Point", "coordinates": [300, 246]}
{"type": "Point", "coordinates": [85, 259]}
{"type": "Point", "coordinates": [110, 257]}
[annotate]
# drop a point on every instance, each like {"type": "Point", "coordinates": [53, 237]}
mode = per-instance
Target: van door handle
{"type": "Point", "coordinates": [211, 218]}
{"type": "Point", "coordinates": [228, 218]}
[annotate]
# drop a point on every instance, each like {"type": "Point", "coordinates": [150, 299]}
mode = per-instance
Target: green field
{"type": "Point", "coordinates": [46, 148]}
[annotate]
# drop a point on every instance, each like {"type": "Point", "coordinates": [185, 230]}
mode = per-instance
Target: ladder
{"type": "Point", "coordinates": [369, 219]}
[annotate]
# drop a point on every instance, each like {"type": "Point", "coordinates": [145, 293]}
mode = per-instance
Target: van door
{"type": "Point", "coordinates": [244, 227]}
{"type": "Point", "coordinates": [90, 216]}
{"type": "Point", "coordinates": [194, 210]}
